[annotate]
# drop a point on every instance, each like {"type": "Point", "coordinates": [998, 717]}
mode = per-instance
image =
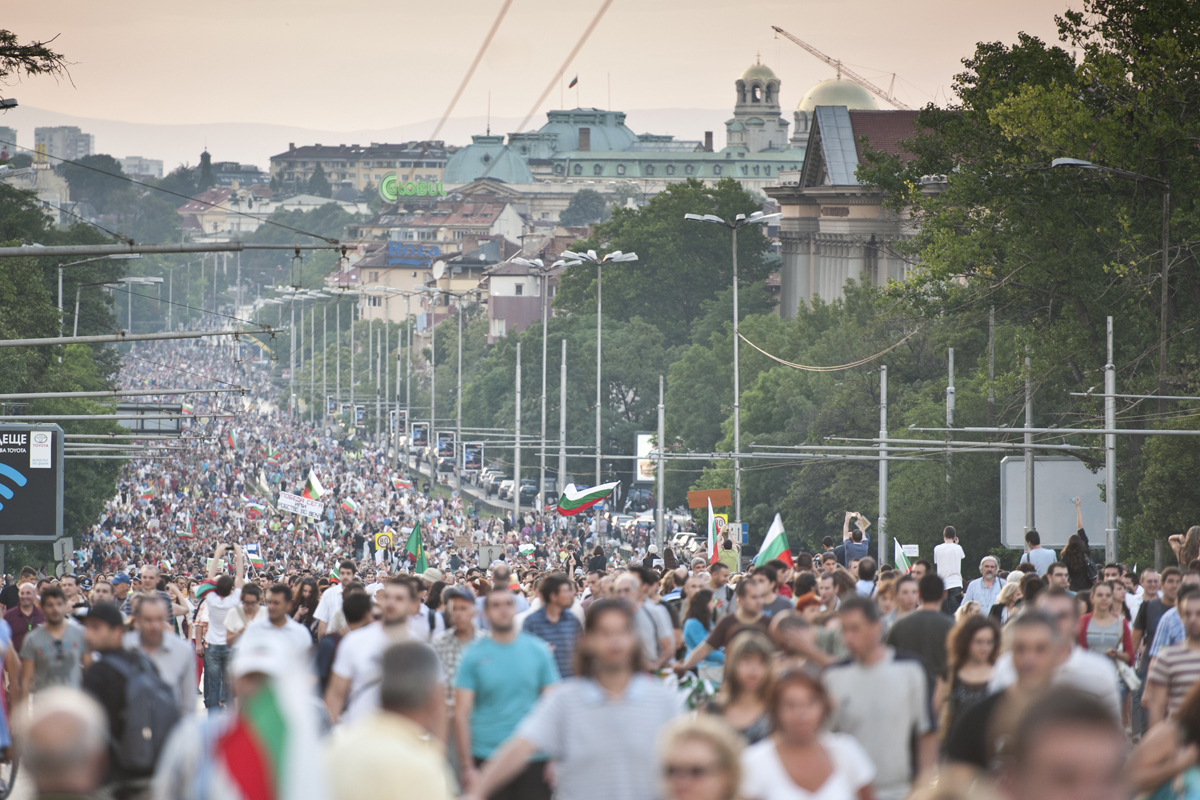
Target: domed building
{"type": "Point", "coordinates": [833, 92]}
{"type": "Point", "coordinates": [757, 123]}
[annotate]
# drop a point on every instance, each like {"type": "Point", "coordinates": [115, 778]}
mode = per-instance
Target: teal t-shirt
{"type": "Point", "coordinates": [507, 680]}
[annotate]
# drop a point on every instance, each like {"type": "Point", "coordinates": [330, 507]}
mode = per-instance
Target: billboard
{"type": "Point", "coordinates": [148, 417]}
{"type": "Point", "coordinates": [445, 444]}
{"type": "Point", "coordinates": [1058, 480]}
{"type": "Point", "coordinates": [360, 414]}
{"type": "Point", "coordinates": [331, 405]}
{"type": "Point", "coordinates": [647, 466]}
{"type": "Point", "coordinates": [473, 456]}
{"type": "Point", "coordinates": [420, 434]}
{"type": "Point", "coordinates": [31, 482]}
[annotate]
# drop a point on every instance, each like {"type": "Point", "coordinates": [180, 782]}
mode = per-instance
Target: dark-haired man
{"type": "Point", "coordinates": [554, 623]}
{"type": "Point", "coordinates": [279, 602]}
{"type": "Point", "coordinates": [331, 601]}
{"type": "Point", "coordinates": [767, 579]}
{"type": "Point", "coordinates": [924, 631]}
{"type": "Point", "coordinates": [947, 557]}
{"type": "Point", "coordinates": [1040, 557]}
{"type": "Point", "coordinates": [55, 653]}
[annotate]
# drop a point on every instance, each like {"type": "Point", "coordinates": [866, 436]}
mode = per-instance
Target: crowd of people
{"type": "Point", "coordinates": [203, 643]}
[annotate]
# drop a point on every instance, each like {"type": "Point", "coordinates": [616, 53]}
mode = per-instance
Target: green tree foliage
{"type": "Point", "coordinates": [96, 179]}
{"type": "Point", "coordinates": [182, 181]}
{"type": "Point", "coordinates": [586, 206]}
{"type": "Point", "coordinates": [318, 184]}
{"type": "Point", "coordinates": [682, 265]}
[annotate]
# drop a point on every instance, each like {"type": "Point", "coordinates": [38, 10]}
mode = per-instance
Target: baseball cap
{"type": "Point", "coordinates": [121, 577]}
{"type": "Point", "coordinates": [263, 651]}
{"type": "Point", "coordinates": [107, 613]}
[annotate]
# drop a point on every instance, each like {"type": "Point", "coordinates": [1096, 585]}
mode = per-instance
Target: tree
{"type": "Point", "coordinates": [682, 265]}
{"type": "Point", "coordinates": [586, 206]}
{"type": "Point", "coordinates": [318, 184]}
{"type": "Point", "coordinates": [99, 180]}
{"type": "Point", "coordinates": [33, 58]}
{"type": "Point", "coordinates": [182, 181]}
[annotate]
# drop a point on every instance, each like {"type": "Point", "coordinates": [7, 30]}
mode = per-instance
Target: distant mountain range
{"type": "Point", "coordinates": [254, 143]}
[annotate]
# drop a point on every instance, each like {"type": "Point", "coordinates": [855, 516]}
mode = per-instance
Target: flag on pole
{"type": "Point", "coordinates": [575, 500]}
{"type": "Point", "coordinates": [121, 537]}
{"type": "Point", "coordinates": [713, 554]}
{"type": "Point", "coordinates": [312, 487]}
{"type": "Point", "coordinates": [254, 555]}
{"type": "Point", "coordinates": [574, 81]}
{"type": "Point", "coordinates": [147, 494]}
{"type": "Point", "coordinates": [333, 575]}
{"type": "Point", "coordinates": [401, 483]}
{"type": "Point", "coordinates": [274, 456]}
{"type": "Point", "coordinates": [902, 562]}
{"type": "Point", "coordinates": [775, 546]}
{"type": "Point", "coordinates": [232, 440]}
{"type": "Point", "coordinates": [350, 505]}
{"type": "Point", "coordinates": [255, 510]}
{"type": "Point", "coordinates": [416, 550]}
{"type": "Point", "coordinates": [188, 408]}
{"type": "Point", "coordinates": [188, 531]}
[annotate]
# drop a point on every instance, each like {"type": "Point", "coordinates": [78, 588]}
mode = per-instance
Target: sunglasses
{"type": "Point", "coordinates": [690, 771]}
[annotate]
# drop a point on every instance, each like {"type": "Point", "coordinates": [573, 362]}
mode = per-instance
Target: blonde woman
{"type": "Point", "coordinates": [1006, 603]}
{"type": "Point", "coordinates": [742, 699]}
{"type": "Point", "coordinates": [969, 609]}
{"type": "Point", "coordinates": [700, 759]}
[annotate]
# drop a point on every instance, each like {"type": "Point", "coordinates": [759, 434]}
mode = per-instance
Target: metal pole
{"type": "Point", "coordinates": [378, 385]}
{"type": "Point", "coordinates": [881, 531]}
{"type": "Point", "coordinates": [599, 272]}
{"type": "Point", "coordinates": [396, 433]}
{"type": "Point", "coordinates": [324, 359]}
{"type": "Point", "coordinates": [1162, 322]}
{"type": "Point", "coordinates": [737, 404]}
{"type": "Point", "coordinates": [75, 331]}
{"type": "Point", "coordinates": [1110, 454]}
{"type": "Point", "coordinates": [433, 372]}
{"type": "Point", "coordinates": [408, 379]}
{"type": "Point", "coordinates": [291, 361]}
{"type": "Point", "coordinates": [239, 283]}
{"type": "Point", "coordinates": [353, 411]}
{"type": "Point", "coordinates": [60, 301]}
{"type": "Point", "coordinates": [658, 510]}
{"type": "Point", "coordinates": [312, 363]}
{"type": "Point", "coordinates": [991, 365]}
{"type": "Point", "coordinates": [170, 295]}
{"type": "Point", "coordinates": [458, 448]}
{"type": "Point", "coordinates": [542, 454]}
{"type": "Point", "coordinates": [949, 407]}
{"type": "Point", "coordinates": [338, 355]}
{"type": "Point", "coordinates": [1029, 464]}
{"type": "Point", "coordinates": [517, 448]}
{"type": "Point", "coordinates": [562, 419]}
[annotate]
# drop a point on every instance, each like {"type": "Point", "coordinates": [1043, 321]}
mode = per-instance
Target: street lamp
{"type": "Point", "coordinates": [1110, 440]}
{"type": "Point", "coordinates": [459, 465]}
{"type": "Point", "coordinates": [129, 292]}
{"type": "Point", "coordinates": [591, 258]}
{"type": "Point", "coordinates": [543, 272]}
{"type": "Point", "coordinates": [740, 221]}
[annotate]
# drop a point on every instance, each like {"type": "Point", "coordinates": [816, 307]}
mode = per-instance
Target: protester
{"type": "Point", "coordinates": [986, 588]}
{"type": "Point", "coordinates": [554, 623]}
{"type": "Point", "coordinates": [1176, 669]}
{"type": "Point", "coordinates": [972, 648]}
{"type": "Point", "coordinates": [1040, 557]}
{"type": "Point", "coordinates": [947, 559]}
{"type": "Point", "coordinates": [55, 653]}
{"type": "Point", "coordinates": [25, 616]}
{"type": "Point", "coordinates": [170, 655]}
{"type": "Point", "coordinates": [65, 745]}
{"type": "Point", "coordinates": [742, 699]}
{"type": "Point", "coordinates": [700, 760]}
{"type": "Point", "coordinates": [924, 631]}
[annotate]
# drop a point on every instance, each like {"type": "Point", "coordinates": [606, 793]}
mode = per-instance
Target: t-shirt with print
{"type": "Point", "coordinates": [56, 662]}
{"type": "Point", "coordinates": [1178, 668]}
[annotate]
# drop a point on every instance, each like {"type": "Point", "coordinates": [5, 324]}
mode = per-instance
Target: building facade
{"type": "Point", "coordinates": [64, 142]}
{"type": "Point", "coordinates": [142, 167]}
{"type": "Point", "coordinates": [362, 167]}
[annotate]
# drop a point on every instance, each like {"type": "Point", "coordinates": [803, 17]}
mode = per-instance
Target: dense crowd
{"type": "Point", "coordinates": [205, 644]}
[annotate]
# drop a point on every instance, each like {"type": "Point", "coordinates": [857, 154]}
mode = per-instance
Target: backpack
{"type": "Point", "coordinates": [150, 713]}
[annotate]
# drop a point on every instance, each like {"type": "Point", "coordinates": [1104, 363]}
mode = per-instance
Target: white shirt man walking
{"type": "Point", "coordinates": [947, 559]}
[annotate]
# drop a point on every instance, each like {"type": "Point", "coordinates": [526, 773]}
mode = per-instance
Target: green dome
{"type": "Point", "coordinates": [760, 72]}
{"type": "Point", "coordinates": [838, 92]}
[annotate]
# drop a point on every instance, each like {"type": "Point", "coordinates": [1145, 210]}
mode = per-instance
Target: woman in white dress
{"type": "Point", "coordinates": [801, 760]}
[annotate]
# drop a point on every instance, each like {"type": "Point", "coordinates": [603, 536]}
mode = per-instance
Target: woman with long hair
{"type": "Point", "coordinates": [971, 649]}
{"type": "Point", "coordinates": [304, 604]}
{"type": "Point", "coordinates": [1186, 547]}
{"type": "Point", "coordinates": [742, 699]}
{"type": "Point", "coordinates": [598, 562]}
{"type": "Point", "coordinates": [1006, 602]}
{"type": "Point", "coordinates": [801, 759]}
{"type": "Point", "coordinates": [1080, 575]}
{"type": "Point", "coordinates": [1106, 632]}
{"type": "Point", "coordinates": [700, 760]}
{"type": "Point", "coordinates": [698, 624]}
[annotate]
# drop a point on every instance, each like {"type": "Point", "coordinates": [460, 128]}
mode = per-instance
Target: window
{"type": "Point", "coordinates": [597, 169]}
{"type": "Point", "coordinates": [374, 277]}
{"type": "Point", "coordinates": [520, 289]}
{"type": "Point", "coordinates": [374, 300]}
{"type": "Point", "coordinates": [578, 169]}
{"type": "Point", "coordinates": [767, 169]}
{"type": "Point", "coordinates": [558, 169]}
{"type": "Point", "coordinates": [620, 169]}
{"type": "Point", "coordinates": [670, 169]}
{"type": "Point", "coordinates": [649, 169]}
{"type": "Point", "coordinates": [745, 170]}
{"type": "Point", "coordinates": [756, 169]}
{"type": "Point", "coordinates": [716, 169]}
{"type": "Point", "coordinates": [689, 169]}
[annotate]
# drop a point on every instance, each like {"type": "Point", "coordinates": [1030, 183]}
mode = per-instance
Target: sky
{"type": "Point", "coordinates": [367, 66]}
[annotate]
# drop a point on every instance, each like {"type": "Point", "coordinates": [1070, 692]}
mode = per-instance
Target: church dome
{"type": "Point", "coordinates": [838, 92]}
{"type": "Point", "coordinates": [760, 72]}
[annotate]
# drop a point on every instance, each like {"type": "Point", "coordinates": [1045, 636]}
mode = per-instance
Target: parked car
{"type": "Point", "coordinates": [445, 464]}
{"type": "Point", "coordinates": [506, 487]}
{"type": "Point", "coordinates": [528, 493]}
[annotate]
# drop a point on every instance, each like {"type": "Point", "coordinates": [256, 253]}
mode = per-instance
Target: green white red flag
{"type": "Point", "coordinates": [573, 500]}
{"type": "Point", "coordinates": [902, 562]}
{"type": "Point", "coordinates": [775, 545]}
{"type": "Point", "coordinates": [312, 487]}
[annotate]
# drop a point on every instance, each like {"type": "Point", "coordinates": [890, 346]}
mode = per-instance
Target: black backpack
{"type": "Point", "coordinates": [150, 712]}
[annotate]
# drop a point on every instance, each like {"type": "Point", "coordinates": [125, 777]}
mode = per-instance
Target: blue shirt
{"type": "Point", "coordinates": [507, 680]}
{"type": "Point", "coordinates": [981, 594]}
{"type": "Point", "coordinates": [1170, 631]}
{"type": "Point", "coordinates": [694, 633]}
{"type": "Point", "coordinates": [559, 635]}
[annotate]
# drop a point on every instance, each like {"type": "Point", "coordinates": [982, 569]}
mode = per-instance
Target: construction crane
{"type": "Point", "coordinates": [841, 70]}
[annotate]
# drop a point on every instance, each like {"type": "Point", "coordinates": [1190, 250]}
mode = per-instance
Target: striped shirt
{"type": "Point", "coordinates": [1169, 632]}
{"type": "Point", "coordinates": [1178, 668]}
{"type": "Point", "coordinates": [561, 637]}
{"type": "Point", "coordinates": [449, 650]}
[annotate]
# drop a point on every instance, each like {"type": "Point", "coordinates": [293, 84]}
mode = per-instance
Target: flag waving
{"type": "Point", "coordinates": [713, 553]}
{"type": "Point", "coordinates": [775, 546]}
{"type": "Point", "coordinates": [312, 487]}
{"type": "Point", "coordinates": [902, 562]}
{"type": "Point", "coordinates": [575, 500]}
{"type": "Point", "coordinates": [416, 550]}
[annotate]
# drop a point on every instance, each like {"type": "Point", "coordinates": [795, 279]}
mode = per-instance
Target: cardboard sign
{"type": "Point", "coordinates": [296, 504]}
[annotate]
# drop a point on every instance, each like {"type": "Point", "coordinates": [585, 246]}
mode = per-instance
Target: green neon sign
{"type": "Point", "coordinates": [391, 189]}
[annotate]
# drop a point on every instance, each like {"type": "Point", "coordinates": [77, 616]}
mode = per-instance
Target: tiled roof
{"type": "Point", "coordinates": [205, 201]}
{"type": "Point", "coordinates": [885, 130]}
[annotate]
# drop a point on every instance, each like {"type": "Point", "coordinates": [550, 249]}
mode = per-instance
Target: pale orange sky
{"type": "Point", "coordinates": [362, 64]}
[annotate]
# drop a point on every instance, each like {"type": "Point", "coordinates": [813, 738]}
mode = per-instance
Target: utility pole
{"type": "Point", "coordinates": [408, 379]}
{"type": "Point", "coordinates": [881, 531]}
{"type": "Point", "coordinates": [1029, 463]}
{"type": "Point", "coordinates": [353, 409]}
{"type": "Point", "coordinates": [324, 360]}
{"type": "Point", "coordinates": [517, 448]}
{"type": "Point", "coordinates": [542, 454]}
{"type": "Point", "coordinates": [737, 403]}
{"type": "Point", "coordinates": [458, 444]}
{"type": "Point", "coordinates": [378, 385]}
{"type": "Point", "coordinates": [1111, 551]}
{"type": "Point", "coordinates": [562, 420]}
{"type": "Point", "coordinates": [991, 366]}
{"type": "Point", "coordinates": [291, 361]}
{"type": "Point", "coordinates": [658, 514]}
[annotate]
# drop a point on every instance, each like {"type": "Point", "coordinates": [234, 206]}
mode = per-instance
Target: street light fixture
{"type": "Point", "coordinates": [543, 272]}
{"type": "Point", "coordinates": [459, 464]}
{"type": "Point", "coordinates": [740, 221]}
{"type": "Point", "coordinates": [590, 257]}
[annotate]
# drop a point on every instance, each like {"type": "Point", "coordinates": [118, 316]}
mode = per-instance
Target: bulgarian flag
{"type": "Point", "coordinates": [401, 483]}
{"type": "Point", "coordinates": [714, 555]}
{"type": "Point", "coordinates": [902, 562]}
{"type": "Point", "coordinates": [232, 440]}
{"type": "Point", "coordinates": [312, 487]}
{"type": "Point", "coordinates": [255, 510]}
{"type": "Point", "coordinates": [575, 500]}
{"type": "Point", "coordinates": [274, 456]}
{"type": "Point", "coordinates": [333, 576]}
{"type": "Point", "coordinates": [254, 555]}
{"type": "Point", "coordinates": [121, 537]}
{"type": "Point", "coordinates": [188, 531]}
{"type": "Point", "coordinates": [187, 408]}
{"type": "Point", "coordinates": [349, 504]}
{"type": "Point", "coordinates": [775, 546]}
{"type": "Point", "coordinates": [147, 494]}
{"type": "Point", "coordinates": [416, 550]}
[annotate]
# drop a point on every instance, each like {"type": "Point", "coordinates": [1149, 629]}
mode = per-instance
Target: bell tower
{"type": "Point", "coordinates": [757, 123]}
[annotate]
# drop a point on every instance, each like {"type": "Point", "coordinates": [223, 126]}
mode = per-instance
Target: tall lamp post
{"type": "Point", "coordinates": [458, 302]}
{"type": "Point", "coordinates": [543, 272]}
{"type": "Point", "coordinates": [590, 257]}
{"type": "Point", "coordinates": [740, 221]}
{"type": "Point", "coordinates": [1110, 440]}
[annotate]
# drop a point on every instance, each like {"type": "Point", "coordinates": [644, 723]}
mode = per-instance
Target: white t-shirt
{"type": "Point", "coordinates": [765, 778]}
{"type": "Point", "coordinates": [947, 558]}
{"type": "Point", "coordinates": [218, 609]}
{"type": "Point", "coordinates": [359, 660]}
{"type": "Point", "coordinates": [296, 634]}
{"type": "Point", "coordinates": [329, 604]}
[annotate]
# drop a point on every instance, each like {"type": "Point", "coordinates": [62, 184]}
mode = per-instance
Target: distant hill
{"type": "Point", "coordinates": [255, 143]}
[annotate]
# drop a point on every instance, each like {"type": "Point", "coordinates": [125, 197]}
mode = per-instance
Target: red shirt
{"type": "Point", "coordinates": [21, 625]}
